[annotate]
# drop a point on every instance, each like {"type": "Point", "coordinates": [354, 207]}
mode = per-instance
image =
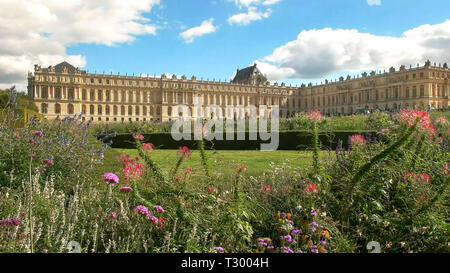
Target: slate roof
{"type": "Point", "coordinates": [59, 68]}
{"type": "Point", "coordinates": [247, 74]}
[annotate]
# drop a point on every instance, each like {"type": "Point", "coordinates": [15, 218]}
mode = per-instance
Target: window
{"type": "Point", "coordinates": [407, 92]}
{"type": "Point", "coordinates": [92, 95]}
{"type": "Point", "coordinates": [422, 91]}
{"type": "Point", "coordinates": [57, 108]}
{"type": "Point", "coordinates": [44, 108]}
{"type": "Point", "coordinates": [107, 110]}
{"type": "Point", "coordinates": [99, 109]}
{"type": "Point", "coordinates": [83, 109]}
{"type": "Point", "coordinates": [71, 94]}
{"type": "Point", "coordinates": [414, 92]}
{"type": "Point", "coordinates": [84, 95]}
{"type": "Point", "coordinates": [130, 110]}
{"type": "Point", "coordinates": [58, 93]}
{"type": "Point", "coordinates": [92, 80]}
{"type": "Point", "coordinates": [91, 109]}
{"type": "Point", "coordinates": [108, 95]}
{"type": "Point", "coordinates": [70, 109]}
{"type": "Point", "coordinates": [100, 95]}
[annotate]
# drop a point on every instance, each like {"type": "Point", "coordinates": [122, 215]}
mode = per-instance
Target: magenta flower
{"type": "Point", "coordinates": [314, 224]}
{"type": "Point", "coordinates": [143, 210]}
{"type": "Point", "coordinates": [219, 249]}
{"type": "Point", "coordinates": [159, 209]}
{"type": "Point", "coordinates": [10, 222]}
{"type": "Point", "coordinates": [38, 133]}
{"type": "Point", "coordinates": [110, 178]}
{"type": "Point", "coordinates": [153, 219]}
{"type": "Point", "coordinates": [113, 215]}
{"type": "Point", "coordinates": [126, 189]}
{"type": "Point", "coordinates": [48, 161]}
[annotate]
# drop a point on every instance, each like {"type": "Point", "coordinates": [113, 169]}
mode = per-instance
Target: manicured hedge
{"type": "Point", "coordinates": [290, 140]}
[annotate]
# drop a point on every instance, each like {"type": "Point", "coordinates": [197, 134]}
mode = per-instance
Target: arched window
{"type": "Point", "coordinates": [99, 110]}
{"type": "Point", "coordinates": [92, 95]}
{"type": "Point", "coordinates": [115, 110]}
{"type": "Point", "coordinates": [130, 96]}
{"type": "Point", "coordinates": [107, 110]}
{"type": "Point", "coordinates": [122, 110]}
{"type": "Point", "coordinates": [158, 111]}
{"type": "Point", "coordinates": [57, 108]}
{"type": "Point", "coordinates": [91, 109]}
{"type": "Point", "coordinates": [124, 96]}
{"type": "Point", "coordinates": [83, 109]}
{"type": "Point", "coordinates": [44, 92]}
{"type": "Point", "coordinates": [116, 95]}
{"type": "Point", "coordinates": [84, 94]}
{"type": "Point", "coordinates": [130, 110]}
{"type": "Point", "coordinates": [70, 109]}
{"type": "Point", "coordinates": [151, 111]}
{"type": "Point", "coordinates": [137, 110]}
{"type": "Point", "coordinates": [144, 110]}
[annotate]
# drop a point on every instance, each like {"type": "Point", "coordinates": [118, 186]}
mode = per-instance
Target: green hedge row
{"type": "Point", "coordinates": [291, 140]}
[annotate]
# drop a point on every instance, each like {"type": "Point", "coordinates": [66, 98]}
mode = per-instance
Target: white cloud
{"type": "Point", "coordinates": [253, 13]}
{"type": "Point", "coordinates": [318, 53]}
{"type": "Point", "coordinates": [270, 2]}
{"type": "Point", "coordinates": [246, 18]}
{"type": "Point", "coordinates": [39, 31]}
{"type": "Point", "coordinates": [374, 2]}
{"type": "Point", "coordinates": [192, 33]}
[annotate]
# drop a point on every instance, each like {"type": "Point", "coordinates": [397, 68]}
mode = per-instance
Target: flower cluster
{"type": "Point", "coordinates": [132, 168]}
{"type": "Point", "coordinates": [37, 133]}
{"type": "Point", "coordinates": [138, 137]}
{"type": "Point", "coordinates": [311, 188]}
{"type": "Point", "coordinates": [315, 116]}
{"type": "Point", "coordinates": [424, 177]}
{"type": "Point", "coordinates": [409, 118]}
{"type": "Point", "coordinates": [11, 222]}
{"type": "Point", "coordinates": [48, 161]}
{"type": "Point", "coordinates": [110, 178]}
{"type": "Point", "coordinates": [357, 140]}
{"type": "Point", "coordinates": [241, 169]}
{"type": "Point", "coordinates": [126, 189]}
{"type": "Point", "coordinates": [144, 211]}
{"type": "Point", "coordinates": [441, 121]}
{"type": "Point", "coordinates": [184, 152]}
{"type": "Point", "coordinates": [265, 188]}
{"type": "Point", "coordinates": [148, 147]}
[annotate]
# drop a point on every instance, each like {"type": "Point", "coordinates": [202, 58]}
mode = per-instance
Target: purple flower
{"type": "Point", "coordinates": [313, 213]}
{"type": "Point", "coordinates": [314, 224]}
{"type": "Point", "coordinates": [159, 209]}
{"type": "Point", "coordinates": [110, 178]}
{"type": "Point", "coordinates": [300, 251]}
{"type": "Point", "coordinates": [38, 133]}
{"type": "Point", "coordinates": [322, 242]}
{"type": "Point", "coordinates": [296, 231]}
{"type": "Point", "coordinates": [315, 251]}
{"type": "Point", "coordinates": [219, 249]}
{"type": "Point", "coordinates": [312, 229]}
{"type": "Point", "coordinates": [285, 249]}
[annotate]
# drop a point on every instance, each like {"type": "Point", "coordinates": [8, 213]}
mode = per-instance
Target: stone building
{"type": "Point", "coordinates": [64, 90]}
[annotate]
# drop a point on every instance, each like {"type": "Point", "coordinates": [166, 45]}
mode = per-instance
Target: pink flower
{"type": "Point", "coordinates": [409, 118]}
{"type": "Point", "coordinates": [153, 219]}
{"type": "Point", "coordinates": [138, 137]}
{"type": "Point", "coordinates": [184, 152]}
{"type": "Point", "coordinates": [315, 116]}
{"type": "Point", "coordinates": [148, 147]}
{"type": "Point", "coordinates": [265, 188]}
{"type": "Point", "coordinates": [143, 210]}
{"type": "Point", "coordinates": [441, 120]}
{"type": "Point", "coordinates": [110, 178]}
{"type": "Point", "coordinates": [159, 209]}
{"type": "Point", "coordinates": [113, 215]}
{"type": "Point", "coordinates": [37, 133]}
{"type": "Point", "coordinates": [241, 169]}
{"type": "Point", "coordinates": [126, 189]}
{"type": "Point", "coordinates": [357, 140]}
{"type": "Point", "coordinates": [213, 189]}
{"type": "Point", "coordinates": [311, 188]}
{"type": "Point", "coordinates": [132, 171]}
{"type": "Point", "coordinates": [10, 222]}
{"type": "Point", "coordinates": [48, 161]}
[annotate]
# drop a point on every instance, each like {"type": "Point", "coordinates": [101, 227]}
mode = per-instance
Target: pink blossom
{"type": "Point", "coordinates": [159, 209]}
{"type": "Point", "coordinates": [110, 178]}
{"type": "Point", "coordinates": [126, 189]}
{"type": "Point", "coordinates": [315, 116]}
{"type": "Point", "coordinates": [143, 210]}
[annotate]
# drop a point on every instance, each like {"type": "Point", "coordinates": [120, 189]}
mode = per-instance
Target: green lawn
{"type": "Point", "coordinates": [223, 162]}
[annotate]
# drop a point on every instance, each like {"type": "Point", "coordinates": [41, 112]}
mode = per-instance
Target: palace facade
{"type": "Point", "coordinates": [64, 90]}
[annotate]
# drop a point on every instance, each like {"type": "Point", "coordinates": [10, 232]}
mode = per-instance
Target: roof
{"type": "Point", "coordinates": [64, 67]}
{"type": "Point", "coordinates": [246, 75]}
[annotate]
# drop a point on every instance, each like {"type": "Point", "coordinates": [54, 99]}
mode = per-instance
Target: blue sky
{"type": "Point", "coordinates": [160, 48]}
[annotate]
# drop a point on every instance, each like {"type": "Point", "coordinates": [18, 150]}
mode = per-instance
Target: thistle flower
{"type": "Point", "coordinates": [153, 219]}
{"type": "Point", "coordinates": [110, 178]}
{"type": "Point", "coordinates": [37, 133]}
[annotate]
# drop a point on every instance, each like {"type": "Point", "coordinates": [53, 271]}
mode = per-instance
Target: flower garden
{"type": "Point", "coordinates": [59, 184]}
